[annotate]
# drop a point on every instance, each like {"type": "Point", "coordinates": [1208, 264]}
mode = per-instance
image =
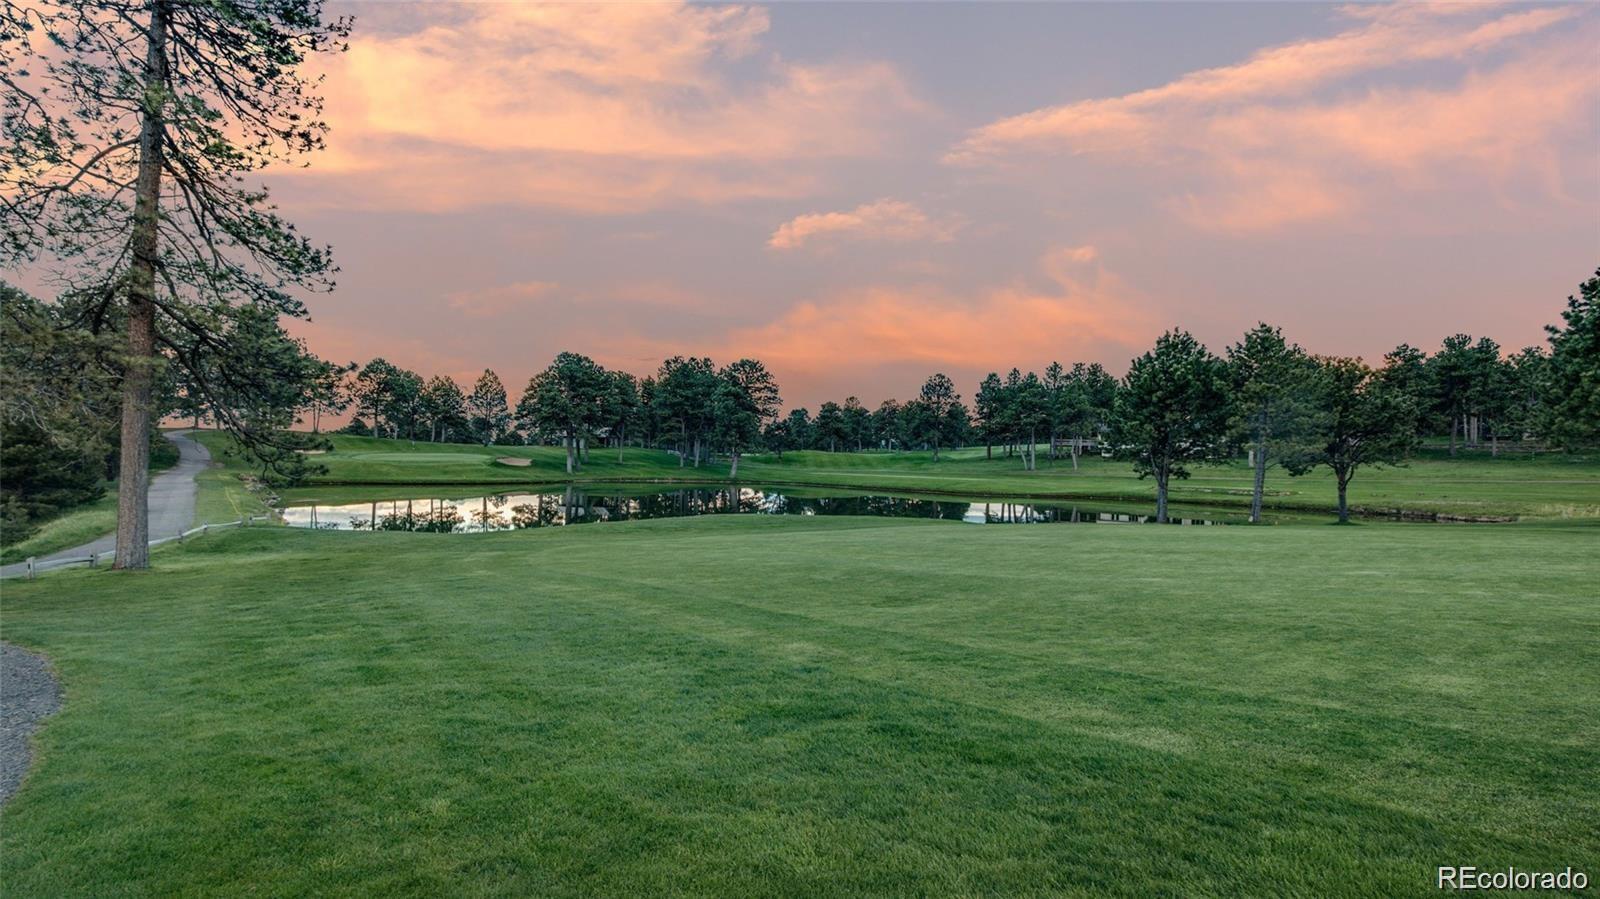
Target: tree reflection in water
{"type": "Point", "coordinates": [574, 505]}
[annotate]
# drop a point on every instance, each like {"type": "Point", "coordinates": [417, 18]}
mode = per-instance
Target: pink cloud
{"type": "Point", "coordinates": [593, 107]}
{"type": "Point", "coordinates": [1389, 37]}
{"type": "Point", "coordinates": [886, 219]}
{"type": "Point", "coordinates": [1281, 139]}
{"type": "Point", "coordinates": [1078, 309]}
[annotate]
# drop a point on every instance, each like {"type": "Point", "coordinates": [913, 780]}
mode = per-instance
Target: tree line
{"type": "Point", "coordinates": [1179, 405]}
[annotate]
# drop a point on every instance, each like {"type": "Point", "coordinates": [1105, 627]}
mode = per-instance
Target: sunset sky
{"type": "Point", "coordinates": [861, 194]}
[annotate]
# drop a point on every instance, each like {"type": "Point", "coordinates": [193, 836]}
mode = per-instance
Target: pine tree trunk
{"type": "Point", "coordinates": [1260, 486]}
{"type": "Point", "coordinates": [1161, 496]}
{"type": "Point", "coordinates": [133, 486]}
{"type": "Point", "coordinates": [1455, 423]}
{"type": "Point", "coordinates": [566, 443]}
{"type": "Point", "coordinates": [734, 472]}
{"type": "Point", "coordinates": [1344, 506]}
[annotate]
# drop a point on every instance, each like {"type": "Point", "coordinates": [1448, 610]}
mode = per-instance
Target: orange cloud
{"type": "Point", "coordinates": [1077, 311]}
{"type": "Point", "coordinates": [1259, 145]}
{"type": "Point", "coordinates": [1390, 36]}
{"type": "Point", "coordinates": [1276, 166]}
{"type": "Point", "coordinates": [592, 107]}
{"type": "Point", "coordinates": [886, 219]}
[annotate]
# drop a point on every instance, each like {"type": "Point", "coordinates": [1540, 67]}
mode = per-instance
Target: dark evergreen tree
{"type": "Point", "coordinates": [1172, 412]}
{"type": "Point", "coordinates": [1271, 382]}
{"type": "Point", "coordinates": [568, 400]}
{"type": "Point", "coordinates": [488, 415]}
{"type": "Point", "coordinates": [1362, 421]}
{"type": "Point", "coordinates": [1571, 408]}
{"type": "Point", "coordinates": [940, 419]}
{"type": "Point", "coordinates": [685, 391]}
{"type": "Point", "coordinates": [747, 400]}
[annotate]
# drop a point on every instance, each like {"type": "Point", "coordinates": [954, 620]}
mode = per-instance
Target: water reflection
{"type": "Point", "coordinates": [515, 511]}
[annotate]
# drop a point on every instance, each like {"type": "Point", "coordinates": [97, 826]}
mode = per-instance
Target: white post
{"type": "Point", "coordinates": [30, 568]}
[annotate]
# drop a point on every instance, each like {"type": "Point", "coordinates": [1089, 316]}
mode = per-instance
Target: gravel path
{"type": "Point", "coordinates": [28, 695]}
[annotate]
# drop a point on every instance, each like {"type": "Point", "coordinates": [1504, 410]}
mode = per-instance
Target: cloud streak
{"type": "Point", "coordinates": [887, 220]}
{"type": "Point", "coordinates": [1390, 36]}
{"type": "Point", "coordinates": [1296, 134]}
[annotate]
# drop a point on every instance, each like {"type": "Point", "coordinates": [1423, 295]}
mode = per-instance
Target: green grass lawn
{"type": "Point", "coordinates": [1550, 486]}
{"type": "Point", "coordinates": [755, 706]}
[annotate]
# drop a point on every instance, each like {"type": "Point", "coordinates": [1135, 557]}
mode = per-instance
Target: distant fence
{"type": "Point", "coordinates": [34, 567]}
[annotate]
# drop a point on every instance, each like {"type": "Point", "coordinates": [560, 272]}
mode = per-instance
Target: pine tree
{"type": "Point", "coordinates": [1172, 411]}
{"type": "Point", "coordinates": [129, 130]}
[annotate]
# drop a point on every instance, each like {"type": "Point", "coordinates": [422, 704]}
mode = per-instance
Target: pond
{"type": "Point", "coordinates": [513, 511]}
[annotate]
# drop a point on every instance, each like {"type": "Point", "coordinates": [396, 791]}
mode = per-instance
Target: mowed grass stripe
{"type": "Point", "coordinates": [1281, 727]}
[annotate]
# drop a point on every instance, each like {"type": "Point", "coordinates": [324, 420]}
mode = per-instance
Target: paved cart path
{"type": "Point", "coordinates": [172, 497]}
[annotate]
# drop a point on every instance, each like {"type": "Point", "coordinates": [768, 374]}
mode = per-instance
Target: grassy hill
{"type": "Point", "coordinates": [793, 706]}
